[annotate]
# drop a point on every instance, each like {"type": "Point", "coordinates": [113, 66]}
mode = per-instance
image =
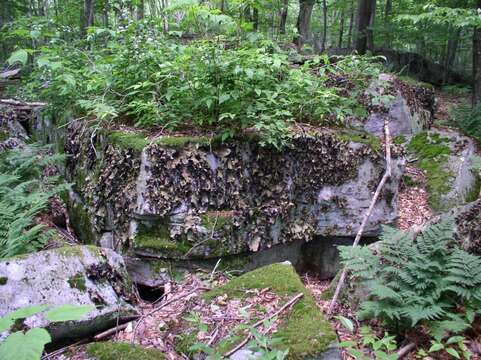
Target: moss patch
{"type": "Point", "coordinates": [181, 141]}
{"type": "Point", "coordinates": [433, 152]}
{"type": "Point", "coordinates": [3, 280]}
{"type": "Point", "coordinates": [361, 137]}
{"type": "Point", "coordinates": [304, 319]}
{"type": "Point", "coordinates": [77, 282]}
{"type": "Point", "coordinates": [399, 140]}
{"type": "Point", "coordinates": [157, 238]}
{"type": "Point", "coordinates": [473, 194]}
{"type": "Point", "coordinates": [127, 140]}
{"type": "Point", "coordinates": [215, 221]}
{"type": "Point", "coordinates": [122, 351]}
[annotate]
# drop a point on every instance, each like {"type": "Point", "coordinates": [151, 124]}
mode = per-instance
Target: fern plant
{"type": "Point", "coordinates": [418, 279]}
{"type": "Point", "coordinates": [25, 189]}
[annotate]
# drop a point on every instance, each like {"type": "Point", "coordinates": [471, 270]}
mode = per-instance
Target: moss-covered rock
{"type": "Point", "coordinates": [304, 318]}
{"type": "Point", "coordinates": [447, 159]}
{"type": "Point", "coordinates": [122, 351]}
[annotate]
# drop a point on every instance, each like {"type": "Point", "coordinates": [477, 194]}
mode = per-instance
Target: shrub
{"type": "Point", "coordinates": [469, 120]}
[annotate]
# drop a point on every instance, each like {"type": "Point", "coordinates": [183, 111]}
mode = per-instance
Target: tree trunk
{"type": "Point", "coordinates": [304, 21]}
{"type": "Point", "coordinates": [256, 18]}
{"type": "Point", "coordinates": [387, 14]}
{"type": "Point", "coordinates": [341, 29]}
{"type": "Point", "coordinates": [364, 13]}
{"type": "Point", "coordinates": [477, 64]}
{"type": "Point", "coordinates": [370, 32]}
{"type": "Point", "coordinates": [283, 21]}
{"type": "Point", "coordinates": [88, 15]}
{"type": "Point", "coordinates": [105, 14]}
{"type": "Point", "coordinates": [140, 11]}
{"type": "Point", "coordinates": [351, 26]}
{"type": "Point", "coordinates": [324, 29]}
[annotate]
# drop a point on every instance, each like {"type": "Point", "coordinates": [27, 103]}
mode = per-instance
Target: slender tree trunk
{"type": "Point", "coordinates": [341, 29]}
{"type": "Point", "coordinates": [222, 6]}
{"type": "Point", "coordinates": [88, 14]}
{"type": "Point", "coordinates": [256, 18]}
{"type": "Point", "coordinates": [140, 11]}
{"type": "Point", "coordinates": [304, 22]}
{"type": "Point", "coordinates": [387, 14]}
{"type": "Point", "coordinates": [370, 31]}
{"type": "Point", "coordinates": [105, 14]}
{"type": "Point", "coordinates": [283, 21]}
{"type": "Point", "coordinates": [364, 13]}
{"type": "Point", "coordinates": [477, 63]}
{"type": "Point", "coordinates": [324, 29]}
{"type": "Point", "coordinates": [351, 26]}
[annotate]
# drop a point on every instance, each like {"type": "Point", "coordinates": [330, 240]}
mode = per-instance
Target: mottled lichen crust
{"type": "Point", "coordinates": [201, 199]}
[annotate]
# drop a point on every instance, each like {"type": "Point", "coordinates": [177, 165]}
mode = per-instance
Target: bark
{"type": "Point", "coordinates": [283, 21]}
{"type": "Point", "coordinates": [105, 14]}
{"type": "Point", "coordinates": [477, 63]}
{"type": "Point", "coordinates": [364, 13]}
{"type": "Point", "coordinates": [370, 32]}
{"type": "Point", "coordinates": [256, 18]}
{"type": "Point", "coordinates": [451, 49]}
{"type": "Point", "coordinates": [387, 14]}
{"type": "Point", "coordinates": [351, 26]}
{"type": "Point", "coordinates": [88, 15]}
{"type": "Point", "coordinates": [341, 29]}
{"type": "Point", "coordinates": [304, 22]}
{"type": "Point", "coordinates": [140, 11]}
{"type": "Point", "coordinates": [324, 30]}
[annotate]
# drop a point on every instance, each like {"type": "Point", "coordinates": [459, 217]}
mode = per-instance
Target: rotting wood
{"type": "Point", "coordinates": [385, 177]}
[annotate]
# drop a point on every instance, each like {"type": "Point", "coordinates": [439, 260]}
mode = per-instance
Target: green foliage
{"type": "Point", "coordinates": [369, 346]}
{"type": "Point", "coordinates": [29, 345]}
{"type": "Point", "coordinates": [24, 193]}
{"type": "Point", "coordinates": [468, 120]}
{"type": "Point", "coordinates": [432, 154]}
{"type": "Point", "coordinates": [418, 281]}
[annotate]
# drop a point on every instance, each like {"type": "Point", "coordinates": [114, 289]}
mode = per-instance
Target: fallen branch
{"type": "Point", "coordinates": [111, 331]}
{"type": "Point", "coordinates": [385, 177]}
{"type": "Point", "coordinates": [405, 350]}
{"type": "Point", "coordinates": [158, 308]}
{"type": "Point", "coordinates": [260, 322]}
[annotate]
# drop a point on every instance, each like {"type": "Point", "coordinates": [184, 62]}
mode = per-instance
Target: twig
{"type": "Point", "coordinates": [385, 177]}
{"type": "Point", "coordinates": [168, 302]}
{"type": "Point", "coordinates": [405, 350]}
{"type": "Point", "coordinates": [111, 331]}
{"type": "Point", "coordinates": [62, 350]}
{"type": "Point", "coordinates": [260, 322]}
{"type": "Point", "coordinates": [215, 268]}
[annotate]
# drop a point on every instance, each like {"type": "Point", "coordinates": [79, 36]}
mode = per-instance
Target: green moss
{"type": "Point", "coordinates": [209, 220]}
{"type": "Point", "coordinates": [127, 140]}
{"type": "Point", "coordinates": [181, 141]}
{"type": "Point", "coordinates": [399, 140]}
{"type": "Point", "coordinates": [3, 280]}
{"type": "Point", "coordinates": [77, 250]}
{"type": "Point", "coordinates": [473, 194]}
{"type": "Point", "coordinates": [361, 137]}
{"type": "Point", "coordinates": [77, 282]}
{"type": "Point", "coordinates": [157, 238]}
{"type": "Point", "coordinates": [4, 136]}
{"type": "Point", "coordinates": [415, 82]}
{"type": "Point", "coordinates": [80, 220]}
{"type": "Point", "coordinates": [433, 152]}
{"type": "Point", "coordinates": [122, 351]}
{"type": "Point", "coordinates": [305, 317]}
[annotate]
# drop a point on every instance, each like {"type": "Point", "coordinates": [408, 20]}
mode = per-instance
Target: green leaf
{"type": "Point", "coordinates": [453, 352]}
{"type": "Point", "coordinates": [454, 339]}
{"type": "Point", "coordinates": [436, 347]}
{"type": "Point", "coordinates": [347, 323]}
{"type": "Point", "coordinates": [26, 312]}
{"type": "Point", "coordinates": [346, 344]}
{"type": "Point", "coordinates": [68, 312]}
{"type": "Point", "coordinates": [19, 56]}
{"type": "Point", "coordinates": [28, 346]}
{"type": "Point", "coordinates": [5, 323]}
{"type": "Point", "coordinates": [223, 98]}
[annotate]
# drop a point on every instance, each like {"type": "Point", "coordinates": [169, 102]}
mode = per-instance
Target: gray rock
{"type": "Point", "coordinates": [149, 273]}
{"type": "Point", "coordinates": [76, 275]}
{"type": "Point", "coordinates": [460, 165]}
{"type": "Point", "coordinates": [403, 118]}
